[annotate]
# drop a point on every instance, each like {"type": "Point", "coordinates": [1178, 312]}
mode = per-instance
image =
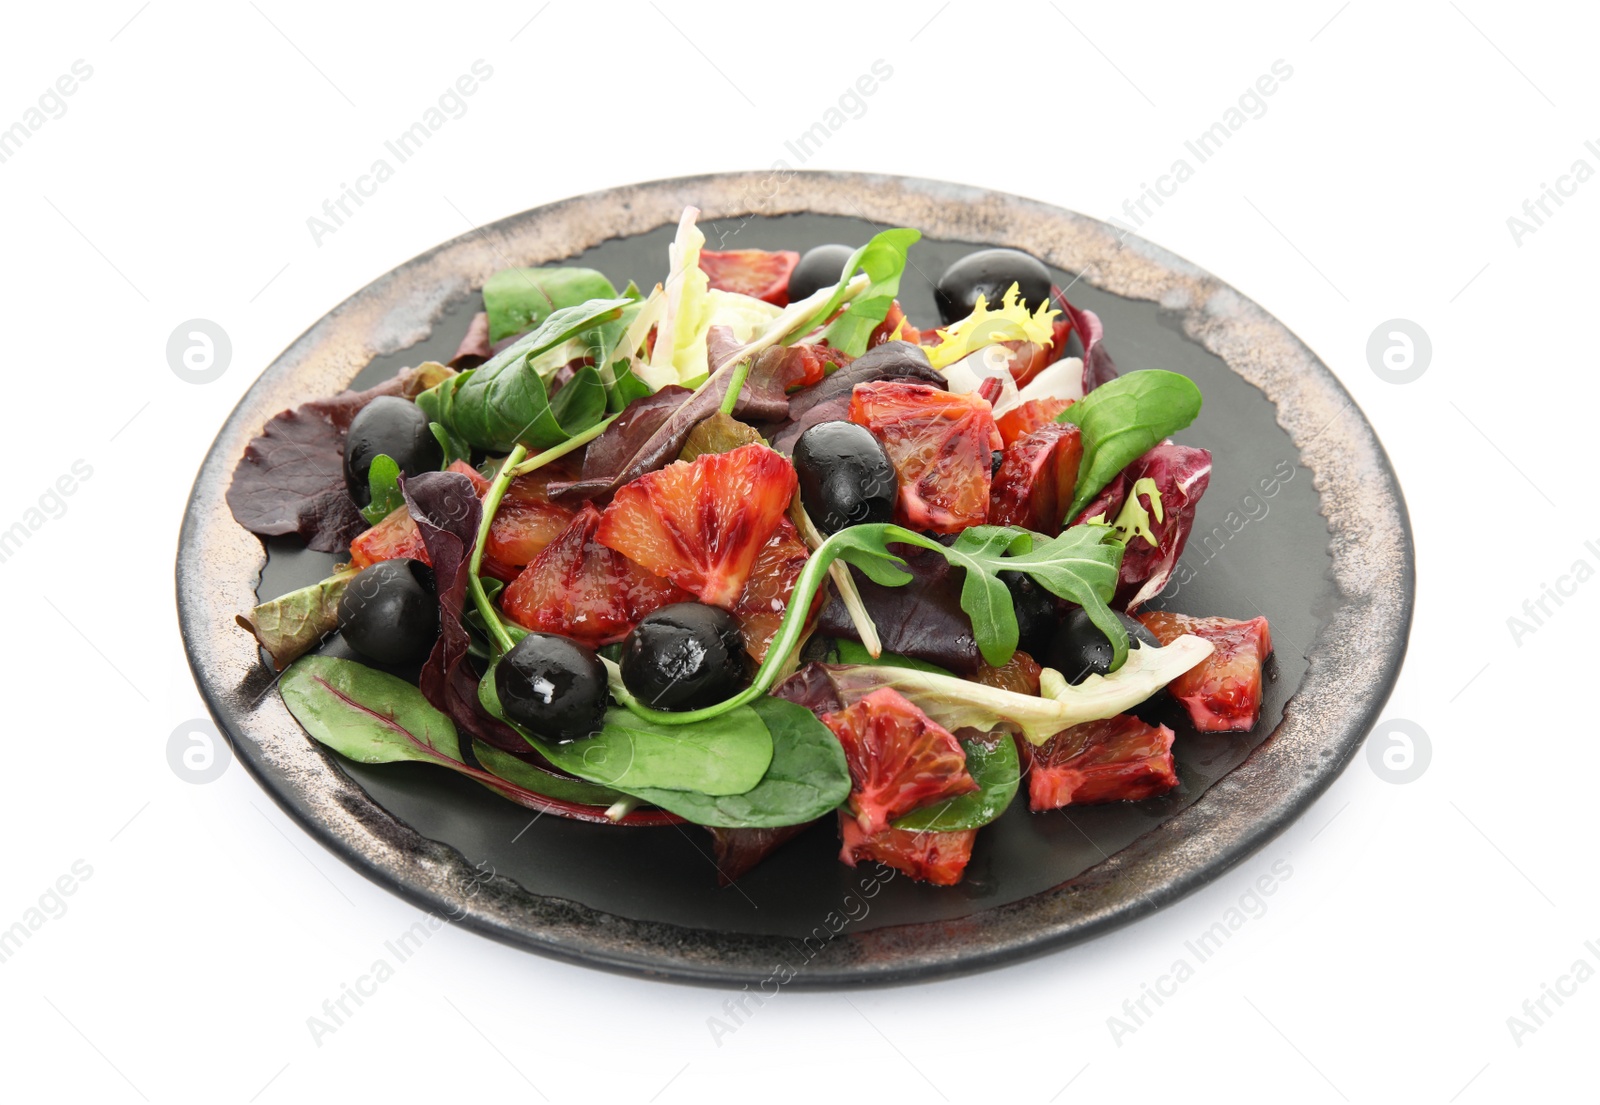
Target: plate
{"type": "Point", "coordinates": [1303, 522]}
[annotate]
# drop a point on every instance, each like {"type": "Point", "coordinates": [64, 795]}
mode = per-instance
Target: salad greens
{"type": "Point", "coordinates": [726, 756]}
{"type": "Point", "coordinates": [994, 764]}
{"type": "Point", "coordinates": [505, 401]}
{"type": "Point", "coordinates": [517, 300]}
{"type": "Point", "coordinates": [960, 703]}
{"type": "Point", "coordinates": [637, 381]}
{"type": "Point", "coordinates": [383, 481]}
{"type": "Point", "coordinates": [293, 624]}
{"type": "Point", "coordinates": [883, 259]}
{"type": "Point", "coordinates": [807, 778]}
{"type": "Point", "coordinates": [1124, 419]}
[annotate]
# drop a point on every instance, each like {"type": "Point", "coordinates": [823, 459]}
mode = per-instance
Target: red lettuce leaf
{"type": "Point", "coordinates": [291, 477]}
{"type": "Point", "coordinates": [1181, 474]}
{"type": "Point", "coordinates": [1097, 365]}
{"type": "Point", "coordinates": [476, 347]}
{"type": "Point", "coordinates": [812, 688]}
{"type": "Point", "coordinates": [447, 510]}
{"type": "Point", "coordinates": [736, 851]}
{"type": "Point", "coordinates": [652, 429]}
{"type": "Point", "coordinates": [923, 619]}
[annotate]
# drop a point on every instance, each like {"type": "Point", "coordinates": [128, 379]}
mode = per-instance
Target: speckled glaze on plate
{"type": "Point", "coordinates": [1329, 560]}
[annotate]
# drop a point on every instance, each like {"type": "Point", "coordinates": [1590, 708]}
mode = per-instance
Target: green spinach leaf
{"type": "Point", "coordinates": [383, 480]}
{"type": "Point", "coordinates": [520, 299]}
{"type": "Point", "coordinates": [995, 766]}
{"type": "Point", "coordinates": [727, 755]}
{"type": "Point", "coordinates": [1122, 420]}
{"type": "Point", "coordinates": [504, 401]}
{"type": "Point", "coordinates": [807, 778]}
{"type": "Point", "coordinates": [506, 766]}
{"type": "Point", "coordinates": [291, 625]}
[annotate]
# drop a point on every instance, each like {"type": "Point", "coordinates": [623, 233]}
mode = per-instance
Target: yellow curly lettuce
{"type": "Point", "coordinates": [1012, 322]}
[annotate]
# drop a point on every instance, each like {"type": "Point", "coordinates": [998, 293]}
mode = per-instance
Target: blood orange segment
{"type": "Point", "coordinates": [1020, 674]}
{"type": "Point", "coordinates": [937, 858]}
{"type": "Point", "coordinates": [900, 759]}
{"type": "Point", "coordinates": [527, 520]}
{"type": "Point", "coordinates": [1033, 488]}
{"type": "Point", "coordinates": [580, 589]}
{"type": "Point", "coordinates": [397, 536]}
{"type": "Point", "coordinates": [766, 596]}
{"type": "Point", "coordinates": [941, 446]}
{"type": "Point", "coordinates": [1018, 422]}
{"type": "Point", "coordinates": [1120, 758]}
{"type": "Point", "coordinates": [1223, 692]}
{"type": "Point", "coordinates": [702, 523]}
{"type": "Point", "coordinates": [752, 272]}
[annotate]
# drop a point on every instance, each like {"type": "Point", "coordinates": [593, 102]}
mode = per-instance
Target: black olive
{"type": "Point", "coordinates": [1078, 649]}
{"type": "Point", "coordinates": [397, 429]}
{"type": "Point", "coordinates": [553, 687]}
{"type": "Point", "coordinates": [991, 272]}
{"type": "Point", "coordinates": [819, 267]}
{"type": "Point", "coordinates": [684, 657]}
{"type": "Point", "coordinates": [1037, 612]}
{"type": "Point", "coordinates": [845, 476]}
{"type": "Point", "coordinates": [388, 612]}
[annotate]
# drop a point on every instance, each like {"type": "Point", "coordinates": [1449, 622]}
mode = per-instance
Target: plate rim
{"type": "Point", "coordinates": [1353, 663]}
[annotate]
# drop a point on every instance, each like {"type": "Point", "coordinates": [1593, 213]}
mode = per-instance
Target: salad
{"type": "Point", "coordinates": [753, 550]}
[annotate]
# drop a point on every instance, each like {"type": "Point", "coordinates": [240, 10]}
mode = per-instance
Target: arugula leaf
{"type": "Point", "coordinates": [960, 703]}
{"type": "Point", "coordinates": [883, 259]}
{"type": "Point", "coordinates": [728, 755]}
{"type": "Point", "coordinates": [520, 299]}
{"type": "Point", "coordinates": [383, 479]}
{"type": "Point", "coordinates": [807, 778]}
{"type": "Point", "coordinates": [1080, 565]}
{"type": "Point", "coordinates": [504, 402]}
{"type": "Point", "coordinates": [1122, 420]}
{"type": "Point", "coordinates": [291, 625]}
{"type": "Point", "coordinates": [996, 767]}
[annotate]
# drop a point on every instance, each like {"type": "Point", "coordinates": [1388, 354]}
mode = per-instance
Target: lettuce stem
{"type": "Point", "coordinates": [556, 452]}
{"type": "Point", "coordinates": [491, 504]}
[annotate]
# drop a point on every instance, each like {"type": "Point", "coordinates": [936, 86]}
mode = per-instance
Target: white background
{"type": "Point", "coordinates": [1418, 917]}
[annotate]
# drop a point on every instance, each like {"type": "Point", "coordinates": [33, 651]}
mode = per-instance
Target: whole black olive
{"type": "Point", "coordinates": [1078, 649]}
{"type": "Point", "coordinates": [684, 657]}
{"type": "Point", "coordinates": [1037, 612]}
{"type": "Point", "coordinates": [388, 612]}
{"type": "Point", "coordinates": [553, 687]}
{"type": "Point", "coordinates": [395, 428]}
{"type": "Point", "coordinates": [845, 476]}
{"type": "Point", "coordinates": [819, 267]}
{"type": "Point", "coordinates": [990, 272]}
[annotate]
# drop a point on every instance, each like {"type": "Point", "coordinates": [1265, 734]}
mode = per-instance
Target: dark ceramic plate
{"type": "Point", "coordinates": [1303, 522]}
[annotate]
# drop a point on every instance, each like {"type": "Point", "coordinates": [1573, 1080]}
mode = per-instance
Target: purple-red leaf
{"type": "Point", "coordinates": [1097, 365]}
{"type": "Point", "coordinates": [446, 508]}
{"type": "Point", "coordinates": [829, 400]}
{"type": "Point", "coordinates": [1180, 474]}
{"type": "Point", "coordinates": [291, 477]}
{"type": "Point", "coordinates": [922, 619]}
